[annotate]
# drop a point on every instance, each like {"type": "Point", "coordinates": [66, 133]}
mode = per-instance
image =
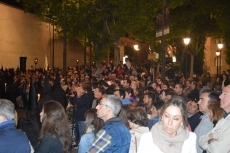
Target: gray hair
{"type": "Point", "coordinates": [7, 109]}
{"type": "Point", "coordinates": [114, 102]}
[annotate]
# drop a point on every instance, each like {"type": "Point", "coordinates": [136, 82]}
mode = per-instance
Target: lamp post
{"type": "Point", "coordinates": [220, 46]}
{"type": "Point", "coordinates": [35, 62]}
{"type": "Point", "coordinates": [217, 62]}
{"type": "Point", "coordinates": [186, 42]}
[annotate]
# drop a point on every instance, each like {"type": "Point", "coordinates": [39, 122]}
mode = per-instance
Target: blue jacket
{"type": "Point", "coordinates": [120, 136]}
{"type": "Point", "coordinates": [12, 140]}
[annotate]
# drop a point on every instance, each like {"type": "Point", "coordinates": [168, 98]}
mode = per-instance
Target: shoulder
{"type": "Point", "coordinates": [192, 136]}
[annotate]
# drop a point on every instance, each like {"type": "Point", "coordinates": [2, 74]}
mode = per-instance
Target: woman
{"type": "Point", "coordinates": [92, 125]}
{"type": "Point", "coordinates": [215, 112]}
{"type": "Point", "coordinates": [137, 119]}
{"type": "Point", "coordinates": [55, 135]}
{"type": "Point", "coordinates": [171, 133]}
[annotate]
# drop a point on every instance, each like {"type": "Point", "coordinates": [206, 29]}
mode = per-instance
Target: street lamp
{"type": "Point", "coordinates": [220, 46]}
{"type": "Point", "coordinates": [186, 42]}
{"type": "Point", "coordinates": [217, 62]}
{"type": "Point", "coordinates": [136, 47]}
{"type": "Point", "coordinates": [35, 62]}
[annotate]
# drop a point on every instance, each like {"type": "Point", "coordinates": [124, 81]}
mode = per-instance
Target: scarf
{"type": "Point", "coordinates": [167, 143]}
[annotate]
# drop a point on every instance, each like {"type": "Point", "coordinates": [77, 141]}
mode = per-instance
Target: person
{"type": "Point", "coordinates": [217, 140]}
{"type": "Point", "coordinates": [171, 133]}
{"type": "Point", "coordinates": [92, 126]}
{"type": "Point", "coordinates": [215, 112]}
{"type": "Point", "coordinates": [194, 116]}
{"type": "Point", "coordinates": [155, 113]}
{"type": "Point", "coordinates": [127, 62]}
{"type": "Point", "coordinates": [137, 120]}
{"type": "Point", "coordinates": [120, 93]}
{"type": "Point", "coordinates": [205, 125]}
{"type": "Point", "coordinates": [81, 103]}
{"type": "Point", "coordinates": [179, 90]}
{"type": "Point", "coordinates": [194, 94]}
{"type": "Point", "coordinates": [12, 140]}
{"type": "Point", "coordinates": [99, 92]}
{"type": "Point", "coordinates": [113, 136]}
{"type": "Point", "coordinates": [55, 135]}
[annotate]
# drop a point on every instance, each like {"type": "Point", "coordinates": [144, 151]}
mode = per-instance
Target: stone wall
{"type": "Point", "coordinates": [22, 34]}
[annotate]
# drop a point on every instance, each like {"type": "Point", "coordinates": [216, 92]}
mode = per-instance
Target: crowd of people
{"type": "Point", "coordinates": [121, 108]}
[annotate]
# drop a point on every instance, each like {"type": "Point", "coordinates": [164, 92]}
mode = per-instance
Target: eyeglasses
{"type": "Point", "coordinates": [105, 105]}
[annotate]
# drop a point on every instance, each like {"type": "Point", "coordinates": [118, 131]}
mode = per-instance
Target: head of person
{"type": "Point", "coordinates": [128, 93]}
{"type": "Point", "coordinates": [7, 111]}
{"type": "Point", "coordinates": [188, 83]}
{"type": "Point", "coordinates": [225, 99]}
{"type": "Point", "coordinates": [194, 84]}
{"type": "Point", "coordinates": [126, 83]}
{"type": "Point", "coordinates": [174, 116]}
{"type": "Point", "coordinates": [120, 93]}
{"type": "Point", "coordinates": [215, 112]}
{"type": "Point", "coordinates": [217, 87]}
{"type": "Point", "coordinates": [109, 107]}
{"type": "Point", "coordinates": [149, 98]}
{"type": "Point", "coordinates": [137, 117]}
{"type": "Point", "coordinates": [92, 121]}
{"type": "Point", "coordinates": [99, 92]}
{"type": "Point", "coordinates": [206, 98]}
{"type": "Point", "coordinates": [133, 85]}
{"type": "Point", "coordinates": [178, 88]}
{"type": "Point", "coordinates": [192, 107]}
{"type": "Point", "coordinates": [169, 95]}
{"type": "Point", "coordinates": [157, 107]}
{"type": "Point", "coordinates": [55, 122]}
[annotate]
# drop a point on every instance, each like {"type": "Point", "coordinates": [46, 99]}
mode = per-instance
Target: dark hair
{"type": "Point", "coordinates": [217, 86]}
{"type": "Point", "coordinates": [55, 122]}
{"type": "Point", "coordinates": [180, 85]}
{"type": "Point", "coordinates": [91, 119]}
{"type": "Point", "coordinates": [180, 103]}
{"type": "Point", "coordinates": [103, 83]}
{"type": "Point", "coordinates": [123, 114]}
{"type": "Point", "coordinates": [127, 80]}
{"type": "Point", "coordinates": [158, 104]}
{"type": "Point", "coordinates": [212, 95]}
{"type": "Point", "coordinates": [138, 116]}
{"type": "Point", "coordinates": [101, 89]}
{"type": "Point", "coordinates": [121, 92]}
{"type": "Point", "coordinates": [217, 112]}
{"type": "Point", "coordinates": [152, 95]}
{"type": "Point", "coordinates": [129, 91]}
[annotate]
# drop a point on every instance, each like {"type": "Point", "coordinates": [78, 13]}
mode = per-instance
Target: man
{"type": "Point", "coordinates": [149, 99]}
{"type": "Point", "coordinates": [205, 86]}
{"type": "Point", "coordinates": [81, 103]}
{"type": "Point", "coordinates": [11, 139]}
{"type": "Point", "coordinates": [113, 136]}
{"type": "Point", "coordinates": [179, 90]}
{"type": "Point", "coordinates": [194, 93]}
{"type": "Point", "coordinates": [194, 116]}
{"type": "Point", "coordinates": [205, 124]}
{"type": "Point", "coordinates": [127, 62]}
{"type": "Point", "coordinates": [126, 83]}
{"type": "Point", "coordinates": [120, 93]}
{"type": "Point", "coordinates": [99, 92]}
{"type": "Point", "coordinates": [217, 141]}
